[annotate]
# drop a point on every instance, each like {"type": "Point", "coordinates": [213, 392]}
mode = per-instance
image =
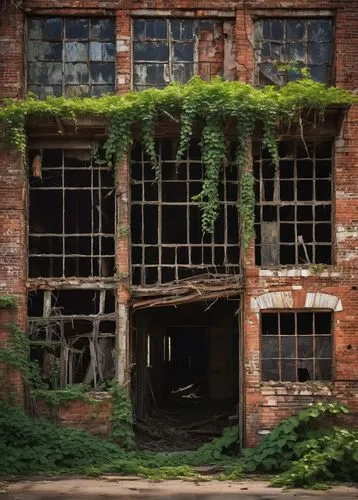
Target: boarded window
{"type": "Point", "coordinates": [284, 46]}
{"type": "Point", "coordinates": [167, 240]}
{"type": "Point", "coordinates": [296, 346]}
{"type": "Point", "coordinates": [71, 215]}
{"type": "Point", "coordinates": [293, 214]}
{"type": "Point", "coordinates": [70, 56]}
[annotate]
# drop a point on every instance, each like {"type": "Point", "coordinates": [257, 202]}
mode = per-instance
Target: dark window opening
{"type": "Point", "coordinates": [186, 366]}
{"type": "Point", "coordinates": [166, 235]}
{"type": "Point", "coordinates": [296, 346]}
{"type": "Point", "coordinates": [71, 215]}
{"type": "Point", "coordinates": [72, 336]}
{"type": "Point", "coordinates": [70, 56]}
{"type": "Point", "coordinates": [286, 46]}
{"type": "Point", "coordinates": [293, 215]}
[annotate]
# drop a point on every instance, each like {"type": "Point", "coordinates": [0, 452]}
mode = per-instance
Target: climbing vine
{"type": "Point", "coordinates": [199, 105]}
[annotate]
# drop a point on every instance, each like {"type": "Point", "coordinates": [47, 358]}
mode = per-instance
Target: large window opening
{"type": "Point", "coordinates": [167, 240]}
{"type": "Point", "coordinates": [186, 371]}
{"type": "Point", "coordinates": [70, 56]}
{"type": "Point", "coordinates": [71, 215]}
{"type": "Point", "coordinates": [293, 214]}
{"type": "Point", "coordinates": [72, 336]}
{"type": "Point", "coordinates": [296, 346]}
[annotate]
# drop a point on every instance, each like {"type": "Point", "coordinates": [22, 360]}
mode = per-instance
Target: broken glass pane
{"type": "Point", "coordinates": [76, 28]}
{"type": "Point", "coordinates": [305, 370]}
{"type": "Point", "coordinates": [102, 29]}
{"type": "Point", "coordinates": [269, 74]}
{"type": "Point", "coordinates": [182, 29]}
{"type": "Point", "coordinates": [269, 324]}
{"type": "Point", "coordinates": [277, 29]}
{"type": "Point", "coordinates": [156, 29]}
{"type": "Point", "coordinates": [183, 52]}
{"type": "Point", "coordinates": [295, 51]}
{"type": "Point", "coordinates": [76, 73]}
{"type": "Point", "coordinates": [323, 346]}
{"type": "Point", "coordinates": [288, 371]}
{"type": "Point", "coordinates": [323, 369]}
{"type": "Point", "coordinates": [102, 73]}
{"type": "Point", "coordinates": [320, 30]}
{"type": "Point", "coordinates": [44, 51]}
{"type": "Point", "coordinates": [183, 72]}
{"type": "Point", "coordinates": [305, 346]}
{"type": "Point", "coordinates": [270, 370]}
{"type": "Point", "coordinates": [288, 347]}
{"type": "Point", "coordinates": [46, 73]}
{"type": "Point", "coordinates": [320, 53]}
{"type": "Point", "coordinates": [151, 51]}
{"type": "Point", "coordinates": [295, 29]}
{"type": "Point", "coordinates": [76, 51]}
{"type": "Point", "coordinates": [269, 347]}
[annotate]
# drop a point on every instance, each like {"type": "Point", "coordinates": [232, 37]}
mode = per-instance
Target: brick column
{"type": "Point", "coordinates": [123, 58]}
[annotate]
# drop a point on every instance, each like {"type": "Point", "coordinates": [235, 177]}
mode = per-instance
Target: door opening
{"type": "Point", "coordinates": [186, 369]}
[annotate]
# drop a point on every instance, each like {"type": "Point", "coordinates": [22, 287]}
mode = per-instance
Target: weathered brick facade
{"type": "Point", "coordinates": [264, 403]}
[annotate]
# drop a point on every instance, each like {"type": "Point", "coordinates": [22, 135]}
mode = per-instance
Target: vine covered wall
{"type": "Point", "coordinates": [217, 107]}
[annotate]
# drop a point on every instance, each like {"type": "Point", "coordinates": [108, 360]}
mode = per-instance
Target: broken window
{"type": "Point", "coordinates": [70, 56]}
{"type": "Point", "coordinates": [166, 50]}
{"type": "Point", "coordinates": [293, 213]}
{"type": "Point", "coordinates": [163, 51]}
{"type": "Point", "coordinates": [296, 346]}
{"type": "Point", "coordinates": [71, 215]}
{"type": "Point", "coordinates": [167, 239]}
{"type": "Point", "coordinates": [72, 335]}
{"type": "Point", "coordinates": [285, 46]}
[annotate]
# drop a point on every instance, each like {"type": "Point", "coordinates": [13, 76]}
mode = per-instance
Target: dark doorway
{"type": "Point", "coordinates": [186, 369]}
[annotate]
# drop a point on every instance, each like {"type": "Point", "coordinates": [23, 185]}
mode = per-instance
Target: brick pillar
{"type": "Point", "coordinates": [123, 270]}
{"type": "Point", "coordinates": [123, 58]}
{"type": "Point", "coordinates": [10, 379]}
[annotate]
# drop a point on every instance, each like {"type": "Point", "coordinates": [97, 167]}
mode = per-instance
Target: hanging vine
{"type": "Point", "coordinates": [210, 103]}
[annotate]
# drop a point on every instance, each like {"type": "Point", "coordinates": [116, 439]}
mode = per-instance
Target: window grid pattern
{"type": "Point", "coordinates": [296, 346]}
{"type": "Point", "coordinates": [296, 43]}
{"type": "Point", "coordinates": [293, 215]}
{"type": "Point", "coordinates": [167, 239]}
{"type": "Point", "coordinates": [71, 216]}
{"type": "Point", "coordinates": [71, 56]}
{"type": "Point", "coordinates": [164, 50]}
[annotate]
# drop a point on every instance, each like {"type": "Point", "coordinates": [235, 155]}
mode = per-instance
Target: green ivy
{"type": "Point", "coordinates": [7, 302]}
{"type": "Point", "coordinates": [198, 102]}
{"type": "Point", "coordinates": [122, 417]}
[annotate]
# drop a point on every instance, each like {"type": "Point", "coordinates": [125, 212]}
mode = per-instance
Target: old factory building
{"type": "Point", "coordinates": [111, 270]}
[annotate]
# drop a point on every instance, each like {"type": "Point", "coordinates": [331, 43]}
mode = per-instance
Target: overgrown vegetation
{"type": "Point", "coordinates": [304, 454]}
{"type": "Point", "coordinates": [7, 302]}
{"type": "Point", "coordinates": [209, 105]}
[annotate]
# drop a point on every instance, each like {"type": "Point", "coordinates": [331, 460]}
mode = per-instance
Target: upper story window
{"type": "Point", "coordinates": [163, 51]}
{"type": "Point", "coordinates": [293, 213]}
{"type": "Point", "coordinates": [286, 45]}
{"type": "Point", "coordinates": [70, 56]}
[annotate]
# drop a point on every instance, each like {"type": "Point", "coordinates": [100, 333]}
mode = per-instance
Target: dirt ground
{"type": "Point", "coordinates": [113, 487]}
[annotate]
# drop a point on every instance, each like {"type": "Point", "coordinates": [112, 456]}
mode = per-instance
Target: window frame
{"type": "Point", "coordinates": [63, 84]}
{"type": "Point", "coordinates": [304, 15]}
{"type": "Point", "coordinates": [296, 203]}
{"type": "Point", "coordinates": [295, 359]}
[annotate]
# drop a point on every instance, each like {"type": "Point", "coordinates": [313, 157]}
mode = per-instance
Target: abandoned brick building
{"type": "Point", "coordinates": [113, 270]}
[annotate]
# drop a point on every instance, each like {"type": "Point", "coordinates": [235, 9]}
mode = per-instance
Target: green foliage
{"type": "Point", "coordinates": [121, 418]}
{"type": "Point", "coordinates": [284, 444]}
{"type": "Point", "coordinates": [7, 302]}
{"type": "Point", "coordinates": [213, 103]}
{"type": "Point", "coordinates": [36, 445]}
{"type": "Point", "coordinates": [55, 398]}
{"type": "Point", "coordinates": [15, 352]}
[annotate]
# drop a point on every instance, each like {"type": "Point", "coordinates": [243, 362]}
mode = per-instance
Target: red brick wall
{"type": "Point", "coordinates": [91, 416]}
{"type": "Point", "coordinates": [11, 383]}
